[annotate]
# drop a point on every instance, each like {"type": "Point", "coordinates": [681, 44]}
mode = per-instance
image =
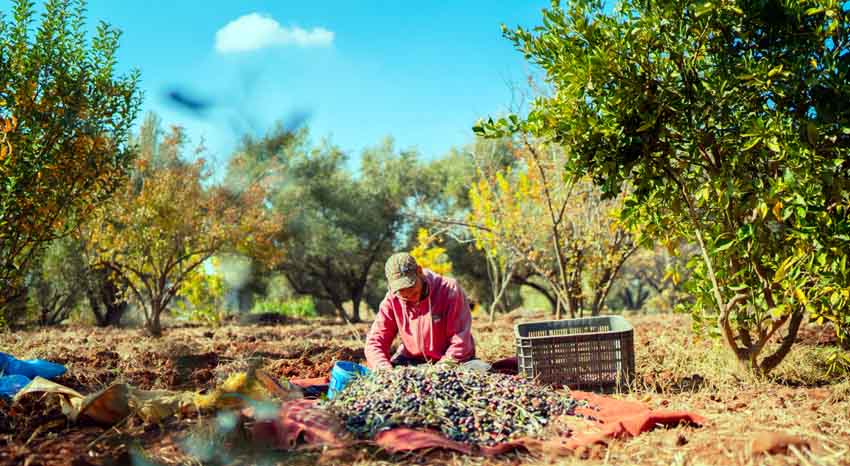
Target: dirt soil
{"type": "Point", "coordinates": [798, 417]}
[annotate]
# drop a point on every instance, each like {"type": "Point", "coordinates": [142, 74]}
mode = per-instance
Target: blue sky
{"type": "Point", "coordinates": [422, 72]}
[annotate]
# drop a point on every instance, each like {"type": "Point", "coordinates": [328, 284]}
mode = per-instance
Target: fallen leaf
{"type": "Point", "coordinates": [773, 443]}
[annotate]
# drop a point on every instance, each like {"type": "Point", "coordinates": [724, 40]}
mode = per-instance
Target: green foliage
{"type": "Point", "coordinates": [55, 283]}
{"type": "Point", "coordinates": [301, 308]}
{"type": "Point", "coordinates": [339, 225]}
{"type": "Point", "coordinates": [566, 232]}
{"type": "Point", "coordinates": [203, 296]}
{"type": "Point", "coordinates": [167, 221]}
{"type": "Point", "coordinates": [731, 120]}
{"type": "Point", "coordinates": [65, 118]}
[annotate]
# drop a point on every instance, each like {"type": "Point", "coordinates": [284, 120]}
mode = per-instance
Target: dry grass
{"type": "Point", "coordinates": [680, 371]}
{"type": "Point", "coordinates": [676, 370]}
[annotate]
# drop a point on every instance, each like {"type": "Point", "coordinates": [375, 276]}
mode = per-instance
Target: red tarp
{"type": "Point", "coordinates": [303, 420]}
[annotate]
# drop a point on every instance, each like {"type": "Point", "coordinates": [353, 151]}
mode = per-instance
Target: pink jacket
{"type": "Point", "coordinates": [438, 327]}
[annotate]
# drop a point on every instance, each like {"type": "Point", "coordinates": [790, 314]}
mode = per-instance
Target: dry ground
{"type": "Point", "coordinates": [676, 370]}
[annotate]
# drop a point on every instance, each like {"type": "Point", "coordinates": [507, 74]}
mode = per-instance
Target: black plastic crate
{"type": "Point", "coordinates": [593, 353]}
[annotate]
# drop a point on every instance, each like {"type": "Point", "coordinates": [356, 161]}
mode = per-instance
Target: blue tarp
{"type": "Point", "coordinates": [15, 374]}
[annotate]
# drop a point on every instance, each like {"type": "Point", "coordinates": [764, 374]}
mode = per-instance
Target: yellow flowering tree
{"type": "Point", "coordinates": [429, 254]}
{"type": "Point", "coordinates": [565, 232]}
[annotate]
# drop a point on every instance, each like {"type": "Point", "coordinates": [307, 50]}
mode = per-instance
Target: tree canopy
{"type": "Point", "coordinates": [165, 222]}
{"type": "Point", "coordinates": [527, 215]}
{"type": "Point", "coordinates": [731, 121]}
{"type": "Point", "coordinates": [344, 226]}
{"type": "Point", "coordinates": [65, 118]}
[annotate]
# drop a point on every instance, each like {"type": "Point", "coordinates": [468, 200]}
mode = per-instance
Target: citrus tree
{"type": "Point", "coordinates": [65, 118]}
{"type": "Point", "coordinates": [731, 121]}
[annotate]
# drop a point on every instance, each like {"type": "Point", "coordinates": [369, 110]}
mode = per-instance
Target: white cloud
{"type": "Point", "coordinates": [255, 31]}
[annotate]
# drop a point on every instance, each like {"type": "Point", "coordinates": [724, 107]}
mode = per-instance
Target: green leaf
{"type": "Point", "coordinates": [722, 245]}
{"type": "Point", "coordinates": [746, 231]}
{"type": "Point", "coordinates": [761, 210]}
{"type": "Point", "coordinates": [814, 11]}
{"type": "Point", "coordinates": [788, 176]}
{"type": "Point", "coordinates": [752, 143]}
{"type": "Point", "coordinates": [812, 133]}
{"type": "Point", "coordinates": [647, 125]}
{"type": "Point", "coordinates": [783, 269]}
{"type": "Point", "coordinates": [787, 212]}
{"type": "Point", "coordinates": [705, 8]}
{"type": "Point", "coordinates": [773, 145]}
{"type": "Point", "coordinates": [778, 311]}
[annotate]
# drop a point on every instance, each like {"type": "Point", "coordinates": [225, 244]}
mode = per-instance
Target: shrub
{"type": "Point", "coordinates": [298, 308]}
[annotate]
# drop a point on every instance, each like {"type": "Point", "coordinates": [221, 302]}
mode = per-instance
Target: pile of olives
{"type": "Point", "coordinates": [466, 406]}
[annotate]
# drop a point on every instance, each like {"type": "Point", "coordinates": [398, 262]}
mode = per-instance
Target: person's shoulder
{"type": "Point", "coordinates": [449, 284]}
{"type": "Point", "coordinates": [388, 301]}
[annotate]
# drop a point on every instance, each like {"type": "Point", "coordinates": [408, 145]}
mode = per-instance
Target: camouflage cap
{"type": "Point", "coordinates": [401, 271]}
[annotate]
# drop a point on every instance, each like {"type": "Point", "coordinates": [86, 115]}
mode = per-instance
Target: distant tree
{"type": "Point", "coordinates": [106, 294]}
{"type": "Point", "coordinates": [65, 118]}
{"type": "Point", "coordinates": [166, 222]}
{"type": "Point", "coordinates": [565, 232]}
{"type": "Point", "coordinates": [731, 121]}
{"type": "Point", "coordinates": [344, 226]}
{"type": "Point", "coordinates": [653, 278]}
{"type": "Point", "coordinates": [54, 281]}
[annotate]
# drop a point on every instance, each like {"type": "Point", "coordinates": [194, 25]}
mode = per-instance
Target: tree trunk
{"type": "Point", "coordinates": [355, 310]}
{"type": "Point", "coordinates": [114, 312]}
{"type": "Point", "coordinates": [553, 303]}
{"type": "Point", "coordinates": [105, 301]}
{"type": "Point", "coordinates": [154, 326]}
{"type": "Point", "coordinates": [339, 309]}
{"type": "Point", "coordinates": [500, 283]}
{"type": "Point", "coordinates": [770, 362]}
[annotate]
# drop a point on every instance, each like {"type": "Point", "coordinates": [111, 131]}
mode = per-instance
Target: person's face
{"type": "Point", "coordinates": [412, 293]}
